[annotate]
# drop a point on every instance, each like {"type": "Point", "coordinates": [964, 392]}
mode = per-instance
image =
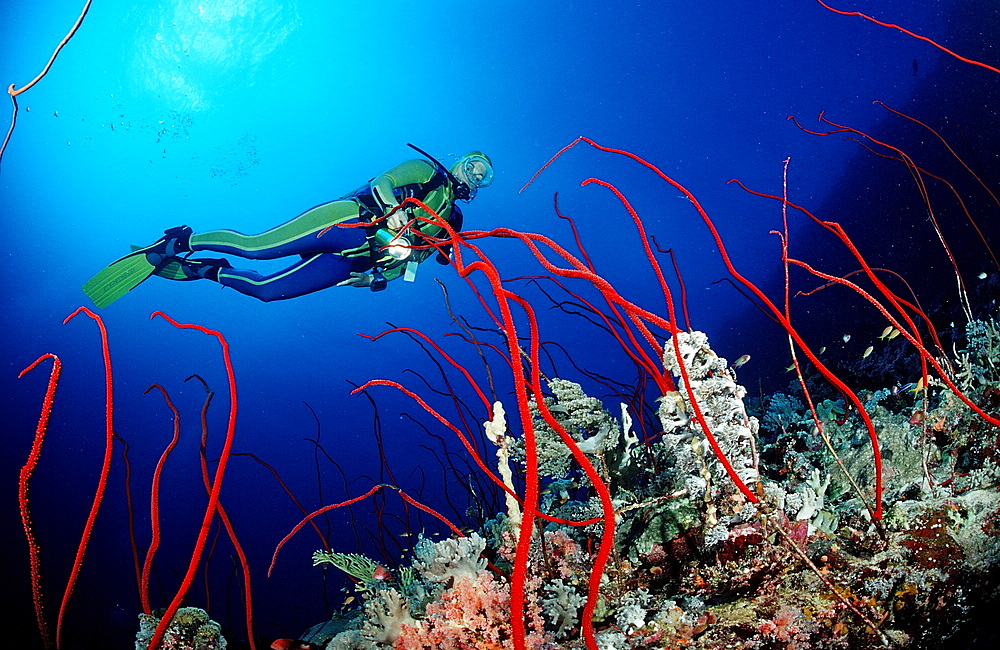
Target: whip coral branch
{"type": "Point", "coordinates": [375, 489]}
{"type": "Point", "coordinates": [950, 150]}
{"type": "Point", "coordinates": [604, 494]}
{"type": "Point", "coordinates": [154, 502]}
{"type": "Point", "coordinates": [22, 490]}
{"type": "Point", "coordinates": [907, 327]}
{"type": "Point", "coordinates": [105, 469]}
{"type": "Point", "coordinates": [645, 245]}
{"type": "Point", "coordinates": [680, 281]}
{"type": "Point", "coordinates": [440, 418]}
{"type": "Point", "coordinates": [291, 495]}
{"type": "Point", "coordinates": [632, 348]}
{"type": "Point", "coordinates": [909, 33]}
{"type": "Point", "coordinates": [131, 512]}
{"type": "Point", "coordinates": [228, 524]}
{"type": "Point", "coordinates": [437, 348]}
{"type": "Point", "coordinates": [916, 173]}
{"type": "Point", "coordinates": [213, 500]}
{"type": "Point", "coordinates": [14, 93]}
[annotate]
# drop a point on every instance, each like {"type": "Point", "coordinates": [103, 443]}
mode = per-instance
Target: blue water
{"type": "Point", "coordinates": [242, 114]}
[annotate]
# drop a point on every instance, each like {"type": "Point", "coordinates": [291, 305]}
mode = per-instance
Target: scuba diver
{"type": "Point", "coordinates": [380, 248]}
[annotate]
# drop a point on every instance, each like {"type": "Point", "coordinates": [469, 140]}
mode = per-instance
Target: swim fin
{"type": "Point", "coordinates": [126, 273]}
{"type": "Point", "coordinates": [118, 278]}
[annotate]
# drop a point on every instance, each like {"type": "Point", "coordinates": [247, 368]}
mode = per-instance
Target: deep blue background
{"type": "Point", "coordinates": [243, 114]}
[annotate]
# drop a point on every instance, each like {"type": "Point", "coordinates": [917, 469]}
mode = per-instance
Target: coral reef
{"type": "Point", "coordinates": [190, 629]}
{"type": "Point", "coordinates": [695, 562]}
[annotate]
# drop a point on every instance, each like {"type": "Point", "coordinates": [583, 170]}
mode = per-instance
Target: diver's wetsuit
{"type": "Point", "coordinates": [330, 258]}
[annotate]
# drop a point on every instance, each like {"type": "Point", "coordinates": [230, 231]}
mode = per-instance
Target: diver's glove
{"type": "Point", "coordinates": [357, 279]}
{"type": "Point", "coordinates": [398, 219]}
{"type": "Point", "coordinates": [374, 281]}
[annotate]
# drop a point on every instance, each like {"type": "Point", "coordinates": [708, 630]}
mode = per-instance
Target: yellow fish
{"type": "Point", "coordinates": [868, 351]}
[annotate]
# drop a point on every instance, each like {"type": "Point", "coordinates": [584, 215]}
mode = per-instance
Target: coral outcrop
{"type": "Point", "coordinates": [190, 629]}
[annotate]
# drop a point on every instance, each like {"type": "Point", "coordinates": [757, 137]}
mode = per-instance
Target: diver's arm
{"type": "Point", "coordinates": [356, 280]}
{"type": "Point", "coordinates": [383, 186]}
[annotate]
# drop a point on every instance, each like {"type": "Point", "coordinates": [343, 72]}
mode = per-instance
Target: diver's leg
{"type": "Point", "coordinates": [296, 237]}
{"type": "Point", "coordinates": [310, 274]}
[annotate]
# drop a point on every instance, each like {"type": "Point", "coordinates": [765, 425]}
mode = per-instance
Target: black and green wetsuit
{"type": "Point", "coordinates": [330, 258]}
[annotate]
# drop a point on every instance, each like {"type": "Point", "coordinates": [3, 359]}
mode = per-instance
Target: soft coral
{"type": "Point", "coordinates": [474, 614]}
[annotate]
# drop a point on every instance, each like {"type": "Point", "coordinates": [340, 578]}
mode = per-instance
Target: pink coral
{"type": "Point", "coordinates": [562, 552]}
{"type": "Point", "coordinates": [473, 615]}
{"type": "Point", "coordinates": [788, 626]}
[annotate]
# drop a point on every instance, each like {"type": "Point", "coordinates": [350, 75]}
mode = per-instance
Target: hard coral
{"type": "Point", "coordinates": [448, 561]}
{"type": "Point", "coordinates": [386, 615]}
{"type": "Point", "coordinates": [190, 629]}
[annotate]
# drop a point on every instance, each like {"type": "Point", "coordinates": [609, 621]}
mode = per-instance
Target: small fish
{"type": "Point", "coordinates": [905, 388]}
{"type": "Point", "coordinates": [739, 362]}
{"type": "Point", "coordinates": [348, 600]}
{"type": "Point", "coordinates": [885, 332]}
{"type": "Point", "coordinates": [821, 350]}
{"type": "Point", "coordinates": [893, 334]}
{"type": "Point", "coordinates": [382, 574]}
{"type": "Point", "coordinates": [868, 350]}
{"type": "Point", "coordinates": [847, 337]}
{"type": "Point", "coordinates": [982, 276]}
{"type": "Point", "coordinates": [790, 368]}
{"type": "Point", "coordinates": [917, 387]}
{"type": "Point", "coordinates": [290, 644]}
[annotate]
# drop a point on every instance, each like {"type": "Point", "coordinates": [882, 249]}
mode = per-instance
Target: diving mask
{"type": "Point", "coordinates": [477, 170]}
